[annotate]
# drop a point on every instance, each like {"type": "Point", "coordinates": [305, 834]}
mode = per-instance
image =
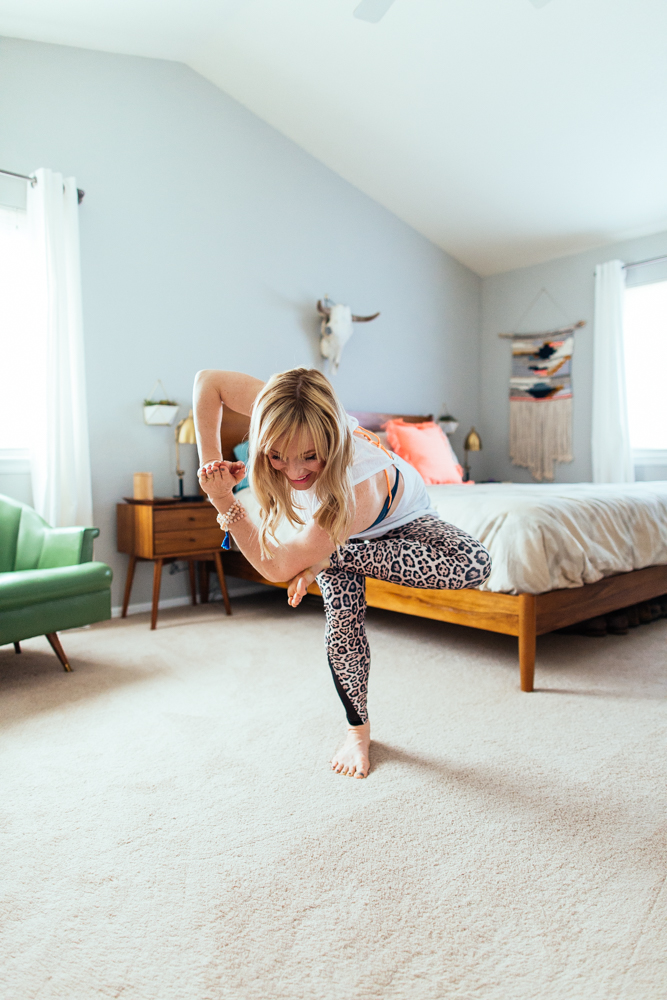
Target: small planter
{"type": "Point", "coordinates": [448, 425]}
{"type": "Point", "coordinates": [159, 409]}
{"type": "Point", "coordinates": [160, 413]}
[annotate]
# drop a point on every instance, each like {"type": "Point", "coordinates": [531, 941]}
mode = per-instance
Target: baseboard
{"type": "Point", "coordinates": [236, 588]}
{"type": "Point", "coordinates": [141, 608]}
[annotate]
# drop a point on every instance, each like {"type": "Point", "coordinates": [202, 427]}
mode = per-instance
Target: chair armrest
{"type": "Point", "coordinates": [66, 547]}
{"type": "Point", "coordinates": [87, 544]}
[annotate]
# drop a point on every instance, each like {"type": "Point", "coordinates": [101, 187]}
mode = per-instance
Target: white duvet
{"type": "Point", "coordinates": [547, 537]}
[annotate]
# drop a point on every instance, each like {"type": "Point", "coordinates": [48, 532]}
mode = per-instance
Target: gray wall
{"type": "Point", "coordinates": [570, 281]}
{"type": "Point", "coordinates": [206, 239]}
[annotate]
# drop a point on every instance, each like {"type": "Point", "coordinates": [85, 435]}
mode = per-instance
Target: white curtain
{"type": "Point", "coordinates": [610, 444]}
{"type": "Point", "coordinates": [60, 454]}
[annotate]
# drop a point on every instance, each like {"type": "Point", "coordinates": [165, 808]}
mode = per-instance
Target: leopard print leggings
{"type": "Point", "coordinates": [427, 553]}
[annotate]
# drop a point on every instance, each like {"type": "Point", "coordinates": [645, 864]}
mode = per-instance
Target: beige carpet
{"type": "Point", "coordinates": [171, 831]}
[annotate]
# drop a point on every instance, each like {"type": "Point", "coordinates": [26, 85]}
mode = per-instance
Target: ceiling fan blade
{"type": "Point", "coordinates": [540, 3]}
{"type": "Point", "coordinates": [372, 10]}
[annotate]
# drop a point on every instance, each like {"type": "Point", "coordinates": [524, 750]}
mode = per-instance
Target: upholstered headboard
{"type": "Point", "coordinates": [376, 421]}
{"type": "Point", "coordinates": [235, 426]}
{"type": "Point", "coordinates": [234, 429]}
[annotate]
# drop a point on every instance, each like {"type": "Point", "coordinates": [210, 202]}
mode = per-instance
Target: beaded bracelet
{"type": "Point", "coordinates": [235, 513]}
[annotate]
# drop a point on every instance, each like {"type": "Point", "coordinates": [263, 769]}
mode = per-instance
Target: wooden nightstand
{"type": "Point", "coordinates": [163, 532]}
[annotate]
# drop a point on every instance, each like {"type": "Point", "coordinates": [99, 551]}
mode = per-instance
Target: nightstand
{"type": "Point", "coordinates": [163, 531]}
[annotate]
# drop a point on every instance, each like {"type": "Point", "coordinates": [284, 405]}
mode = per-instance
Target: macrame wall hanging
{"type": "Point", "coordinates": [541, 399]}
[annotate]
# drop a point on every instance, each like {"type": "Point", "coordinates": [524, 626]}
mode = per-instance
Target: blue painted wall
{"type": "Point", "coordinates": [207, 238]}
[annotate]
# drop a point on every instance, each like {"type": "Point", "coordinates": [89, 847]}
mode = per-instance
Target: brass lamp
{"type": "Point", "coordinates": [184, 434]}
{"type": "Point", "coordinates": [473, 442]}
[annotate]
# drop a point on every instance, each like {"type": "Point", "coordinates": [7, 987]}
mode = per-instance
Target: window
{"type": "Point", "coordinates": [646, 367]}
{"type": "Point", "coordinates": [20, 355]}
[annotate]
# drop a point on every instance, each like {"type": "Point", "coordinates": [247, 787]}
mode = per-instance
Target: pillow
{"type": "Point", "coordinates": [241, 455]}
{"type": "Point", "coordinates": [426, 448]}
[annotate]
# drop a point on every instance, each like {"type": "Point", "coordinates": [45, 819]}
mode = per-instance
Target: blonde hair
{"type": "Point", "coordinates": [293, 405]}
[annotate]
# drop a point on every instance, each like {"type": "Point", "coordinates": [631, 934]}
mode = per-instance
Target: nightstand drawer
{"type": "Point", "coordinates": [194, 540]}
{"type": "Point", "coordinates": [174, 519]}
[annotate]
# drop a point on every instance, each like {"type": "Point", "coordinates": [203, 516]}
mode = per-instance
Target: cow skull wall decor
{"type": "Point", "coordinates": [337, 329]}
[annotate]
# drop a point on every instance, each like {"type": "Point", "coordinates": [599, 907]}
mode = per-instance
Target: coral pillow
{"type": "Point", "coordinates": [426, 448]}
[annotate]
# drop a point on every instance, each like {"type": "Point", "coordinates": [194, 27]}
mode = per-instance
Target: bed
{"type": "Point", "coordinates": [561, 553]}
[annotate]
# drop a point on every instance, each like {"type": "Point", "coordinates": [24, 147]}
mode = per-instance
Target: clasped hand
{"type": "Point", "coordinates": [218, 479]}
{"type": "Point", "coordinates": [297, 588]}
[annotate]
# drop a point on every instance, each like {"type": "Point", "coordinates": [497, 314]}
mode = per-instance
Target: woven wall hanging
{"type": "Point", "coordinates": [541, 399]}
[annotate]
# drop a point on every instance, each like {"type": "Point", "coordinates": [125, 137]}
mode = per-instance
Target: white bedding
{"type": "Point", "coordinates": [547, 537]}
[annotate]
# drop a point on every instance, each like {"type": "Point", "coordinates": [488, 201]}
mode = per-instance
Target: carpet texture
{"type": "Point", "coordinates": [170, 830]}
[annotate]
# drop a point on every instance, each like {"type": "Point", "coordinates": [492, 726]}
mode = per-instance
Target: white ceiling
{"type": "Point", "coordinates": [506, 134]}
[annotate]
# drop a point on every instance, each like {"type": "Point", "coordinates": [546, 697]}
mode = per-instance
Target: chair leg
{"type": "Point", "coordinates": [58, 650]}
{"type": "Point", "coordinates": [17, 647]}
{"type": "Point", "coordinates": [157, 580]}
{"type": "Point", "coordinates": [221, 580]}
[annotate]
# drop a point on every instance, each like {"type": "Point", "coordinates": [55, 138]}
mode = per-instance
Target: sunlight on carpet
{"type": "Point", "coordinates": [172, 832]}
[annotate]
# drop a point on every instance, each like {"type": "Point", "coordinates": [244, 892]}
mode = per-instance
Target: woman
{"type": "Point", "coordinates": [366, 513]}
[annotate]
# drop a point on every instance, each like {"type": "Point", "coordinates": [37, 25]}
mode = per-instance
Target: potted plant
{"type": "Point", "coordinates": [158, 408]}
{"type": "Point", "coordinates": [447, 422]}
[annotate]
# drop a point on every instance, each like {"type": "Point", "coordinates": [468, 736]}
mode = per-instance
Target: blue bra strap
{"type": "Point", "coordinates": [386, 507]}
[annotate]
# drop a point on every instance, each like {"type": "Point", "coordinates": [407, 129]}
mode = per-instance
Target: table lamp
{"type": "Point", "coordinates": [473, 442]}
{"type": "Point", "coordinates": [184, 434]}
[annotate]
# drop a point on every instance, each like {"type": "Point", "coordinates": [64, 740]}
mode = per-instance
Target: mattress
{"type": "Point", "coordinates": [546, 536]}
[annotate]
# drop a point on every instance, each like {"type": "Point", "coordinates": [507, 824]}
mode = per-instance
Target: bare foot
{"type": "Point", "coordinates": [353, 757]}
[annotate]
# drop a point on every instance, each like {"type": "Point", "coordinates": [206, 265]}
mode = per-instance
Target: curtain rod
{"type": "Point", "coordinates": [640, 263]}
{"type": "Point", "coordinates": [33, 180]}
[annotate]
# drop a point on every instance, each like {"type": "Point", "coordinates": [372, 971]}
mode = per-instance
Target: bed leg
{"type": "Point", "coordinates": [527, 640]}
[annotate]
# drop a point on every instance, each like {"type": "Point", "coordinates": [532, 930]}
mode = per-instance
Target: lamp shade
{"type": "Point", "coordinates": [473, 442]}
{"type": "Point", "coordinates": [185, 430]}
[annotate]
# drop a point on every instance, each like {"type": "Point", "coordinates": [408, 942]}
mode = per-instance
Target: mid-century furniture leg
{"type": "Point", "coordinates": [193, 583]}
{"type": "Point", "coordinates": [203, 581]}
{"type": "Point", "coordinates": [129, 579]}
{"type": "Point", "coordinates": [527, 640]}
{"type": "Point", "coordinates": [17, 647]}
{"type": "Point", "coordinates": [221, 580]}
{"type": "Point", "coordinates": [58, 650]}
{"type": "Point", "coordinates": [157, 580]}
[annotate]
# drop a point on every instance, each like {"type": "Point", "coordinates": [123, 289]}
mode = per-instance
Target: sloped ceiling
{"type": "Point", "coordinates": [504, 133]}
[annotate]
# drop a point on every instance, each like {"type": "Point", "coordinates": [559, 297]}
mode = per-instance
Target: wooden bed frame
{"type": "Point", "coordinates": [523, 615]}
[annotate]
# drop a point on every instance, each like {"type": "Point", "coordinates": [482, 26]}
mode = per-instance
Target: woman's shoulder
{"type": "Point", "coordinates": [368, 460]}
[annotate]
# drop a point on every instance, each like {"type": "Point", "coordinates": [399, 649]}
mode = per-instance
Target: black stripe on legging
{"type": "Point", "coordinates": [350, 710]}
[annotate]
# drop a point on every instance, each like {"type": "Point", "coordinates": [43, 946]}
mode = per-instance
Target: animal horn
{"type": "Point", "coordinates": [365, 319]}
{"type": "Point", "coordinates": [322, 310]}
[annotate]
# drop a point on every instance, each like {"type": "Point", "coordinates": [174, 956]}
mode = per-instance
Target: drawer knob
{"type": "Point", "coordinates": [191, 519]}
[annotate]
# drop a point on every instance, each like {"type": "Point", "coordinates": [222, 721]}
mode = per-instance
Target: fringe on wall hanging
{"type": "Point", "coordinates": [541, 400]}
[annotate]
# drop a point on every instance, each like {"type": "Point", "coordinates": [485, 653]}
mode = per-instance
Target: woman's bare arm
{"type": "Point", "coordinates": [310, 548]}
{"type": "Point", "coordinates": [212, 390]}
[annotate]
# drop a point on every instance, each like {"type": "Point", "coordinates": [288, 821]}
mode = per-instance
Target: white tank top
{"type": "Point", "coordinates": [368, 461]}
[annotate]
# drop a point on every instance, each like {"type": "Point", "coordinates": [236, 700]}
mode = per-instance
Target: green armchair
{"type": "Point", "coordinates": [47, 579]}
